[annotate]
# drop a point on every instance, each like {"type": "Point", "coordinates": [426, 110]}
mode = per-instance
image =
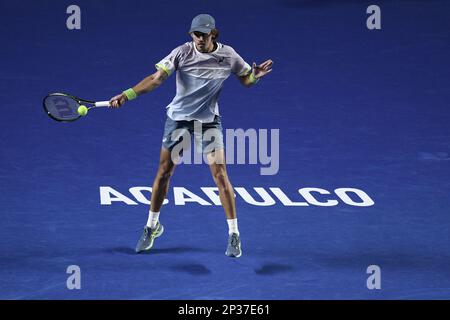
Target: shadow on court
{"type": "Point", "coordinates": [193, 269]}
{"type": "Point", "coordinates": [273, 269]}
{"type": "Point", "coordinates": [173, 250]}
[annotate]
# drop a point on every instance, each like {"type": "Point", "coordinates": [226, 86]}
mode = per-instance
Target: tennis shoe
{"type": "Point", "coordinates": [234, 246]}
{"type": "Point", "coordinates": [148, 237]}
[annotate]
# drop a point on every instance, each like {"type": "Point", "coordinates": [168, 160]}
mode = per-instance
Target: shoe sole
{"type": "Point", "coordinates": [232, 255]}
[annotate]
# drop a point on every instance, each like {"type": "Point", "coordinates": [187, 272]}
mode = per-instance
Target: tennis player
{"type": "Point", "coordinates": [201, 67]}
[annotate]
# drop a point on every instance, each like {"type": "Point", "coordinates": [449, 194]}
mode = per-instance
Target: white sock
{"type": "Point", "coordinates": [232, 226]}
{"type": "Point", "coordinates": [152, 219]}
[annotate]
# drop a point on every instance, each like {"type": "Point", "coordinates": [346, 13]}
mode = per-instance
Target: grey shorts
{"type": "Point", "coordinates": [207, 135]}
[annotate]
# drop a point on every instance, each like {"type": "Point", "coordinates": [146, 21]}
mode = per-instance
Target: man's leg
{"type": "Point", "coordinates": [154, 229]}
{"type": "Point", "coordinates": [216, 161]}
{"type": "Point", "coordinates": [162, 179]}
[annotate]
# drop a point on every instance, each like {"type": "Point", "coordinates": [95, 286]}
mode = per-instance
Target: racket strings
{"type": "Point", "coordinates": [62, 108]}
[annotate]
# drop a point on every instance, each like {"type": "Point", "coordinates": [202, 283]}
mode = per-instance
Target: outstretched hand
{"type": "Point", "coordinates": [262, 69]}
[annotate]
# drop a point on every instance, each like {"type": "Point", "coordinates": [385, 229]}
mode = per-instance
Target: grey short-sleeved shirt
{"type": "Point", "coordinates": [200, 78]}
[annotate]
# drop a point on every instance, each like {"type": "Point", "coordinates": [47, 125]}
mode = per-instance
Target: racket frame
{"type": "Point", "coordinates": [80, 101]}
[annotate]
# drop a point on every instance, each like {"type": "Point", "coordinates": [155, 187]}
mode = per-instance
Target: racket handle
{"type": "Point", "coordinates": [102, 104]}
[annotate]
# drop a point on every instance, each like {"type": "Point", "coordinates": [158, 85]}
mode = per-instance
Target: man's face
{"type": "Point", "coordinates": [203, 41]}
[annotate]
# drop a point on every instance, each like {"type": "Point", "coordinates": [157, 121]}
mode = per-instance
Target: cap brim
{"type": "Point", "coordinates": [200, 29]}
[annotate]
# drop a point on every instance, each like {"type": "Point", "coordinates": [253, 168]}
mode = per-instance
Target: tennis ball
{"type": "Point", "coordinates": [82, 110]}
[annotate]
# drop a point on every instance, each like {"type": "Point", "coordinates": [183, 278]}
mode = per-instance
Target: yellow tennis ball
{"type": "Point", "coordinates": [82, 110]}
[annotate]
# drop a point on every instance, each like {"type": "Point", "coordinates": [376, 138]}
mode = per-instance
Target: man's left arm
{"type": "Point", "coordinates": [257, 72]}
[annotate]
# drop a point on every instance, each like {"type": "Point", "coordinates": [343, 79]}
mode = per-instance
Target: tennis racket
{"type": "Point", "coordinates": [63, 107]}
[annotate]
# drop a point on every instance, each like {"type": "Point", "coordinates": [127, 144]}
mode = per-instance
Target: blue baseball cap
{"type": "Point", "coordinates": [203, 23]}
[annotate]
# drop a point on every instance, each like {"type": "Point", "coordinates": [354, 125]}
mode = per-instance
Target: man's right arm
{"type": "Point", "coordinates": [147, 84]}
{"type": "Point", "coordinates": [151, 82]}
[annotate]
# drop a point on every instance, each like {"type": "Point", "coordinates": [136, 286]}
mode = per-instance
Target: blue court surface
{"type": "Point", "coordinates": [363, 118]}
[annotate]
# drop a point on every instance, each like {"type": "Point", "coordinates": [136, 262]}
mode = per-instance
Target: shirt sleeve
{"type": "Point", "coordinates": [170, 63]}
{"type": "Point", "coordinates": [238, 65]}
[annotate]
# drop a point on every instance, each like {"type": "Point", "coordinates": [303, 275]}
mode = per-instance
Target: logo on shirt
{"type": "Point", "coordinates": [220, 59]}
